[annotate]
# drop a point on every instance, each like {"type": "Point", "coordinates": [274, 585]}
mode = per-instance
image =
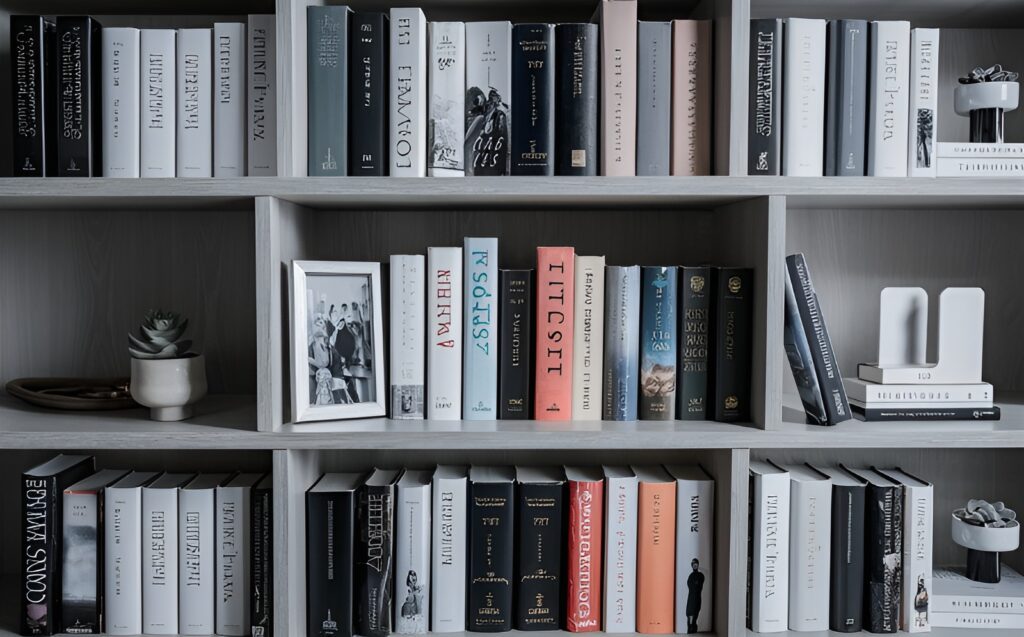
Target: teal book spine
{"type": "Point", "coordinates": [480, 351]}
{"type": "Point", "coordinates": [621, 342]}
{"type": "Point", "coordinates": [658, 345]}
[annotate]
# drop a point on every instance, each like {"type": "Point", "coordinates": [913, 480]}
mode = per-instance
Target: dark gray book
{"type": "Point", "coordinates": [533, 99]}
{"type": "Point", "coordinates": [33, 135]}
{"type": "Point", "coordinates": [576, 51]}
{"type": "Point", "coordinates": [327, 90]}
{"type": "Point", "coordinates": [695, 289]}
{"type": "Point", "coordinates": [764, 131]}
{"type": "Point", "coordinates": [653, 97]}
{"type": "Point", "coordinates": [847, 90]}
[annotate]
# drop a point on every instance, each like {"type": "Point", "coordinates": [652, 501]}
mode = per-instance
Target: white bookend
{"type": "Point", "coordinates": [917, 551]}
{"type": "Point", "coordinates": [160, 554]}
{"type": "Point", "coordinates": [408, 106]}
{"type": "Point", "coordinates": [810, 548]}
{"type": "Point", "coordinates": [695, 543]}
{"type": "Point", "coordinates": [588, 338]}
{"type": "Point", "coordinates": [447, 80]}
{"type": "Point", "coordinates": [888, 98]}
{"type": "Point", "coordinates": [769, 559]}
{"type": "Point", "coordinates": [412, 553]}
{"type": "Point", "coordinates": [803, 111]}
{"type": "Point", "coordinates": [480, 366]}
{"type": "Point", "coordinates": [194, 68]}
{"type": "Point", "coordinates": [444, 333]}
{"type": "Point", "coordinates": [196, 547]}
{"type": "Point", "coordinates": [448, 550]}
{"type": "Point", "coordinates": [234, 502]}
{"type": "Point", "coordinates": [620, 550]}
{"type": "Point", "coordinates": [229, 53]}
{"type": "Point", "coordinates": [488, 100]}
{"type": "Point", "coordinates": [408, 335]}
{"type": "Point", "coordinates": [159, 104]}
{"type": "Point", "coordinates": [122, 554]}
{"type": "Point", "coordinates": [924, 102]}
{"type": "Point", "coordinates": [120, 79]}
{"type": "Point", "coordinates": [261, 116]}
{"type": "Point", "coordinates": [878, 395]}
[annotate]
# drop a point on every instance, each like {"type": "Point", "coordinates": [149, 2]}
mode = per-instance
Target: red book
{"type": "Point", "coordinates": [583, 569]}
{"type": "Point", "coordinates": [553, 395]}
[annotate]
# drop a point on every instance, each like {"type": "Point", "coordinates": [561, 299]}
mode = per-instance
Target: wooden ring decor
{"type": "Point", "coordinates": [73, 394]}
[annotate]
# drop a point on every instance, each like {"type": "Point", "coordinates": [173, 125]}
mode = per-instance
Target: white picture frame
{"type": "Point", "coordinates": [337, 372]}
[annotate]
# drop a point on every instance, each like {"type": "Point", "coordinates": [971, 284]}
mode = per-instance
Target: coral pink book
{"type": "Point", "coordinates": [584, 549]}
{"type": "Point", "coordinates": [553, 391]}
{"type": "Point", "coordinates": [691, 97]}
{"type": "Point", "coordinates": [617, 20]}
{"type": "Point", "coordinates": [655, 551]}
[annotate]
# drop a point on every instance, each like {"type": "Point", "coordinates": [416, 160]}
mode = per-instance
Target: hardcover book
{"type": "Point", "coordinates": [618, 24]}
{"type": "Point", "coordinates": [924, 412]}
{"type": "Point", "coordinates": [917, 550]}
{"type": "Point", "coordinates": [408, 93]}
{"type": "Point", "coordinates": [158, 118]}
{"type": "Point", "coordinates": [229, 99]}
{"type": "Point", "coordinates": [955, 594]}
{"type": "Point", "coordinates": [764, 127]}
{"type": "Point", "coordinates": [480, 350]}
{"type": "Point", "coordinates": [120, 111]}
{"type": "Point", "coordinates": [655, 551]}
{"type": "Point", "coordinates": [196, 546]}
{"type": "Point", "coordinates": [846, 582]}
{"type": "Point", "coordinates": [978, 150]}
{"type": "Point", "coordinates": [261, 584]}
{"type": "Point", "coordinates": [516, 346]}
{"type": "Point", "coordinates": [974, 620]}
{"type": "Point", "coordinates": [695, 544]}
{"type": "Point", "coordinates": [654, 93]}
{"type": "Point", "coordinates": [621, 342]}
{"type": "Point", "coordinates": [34, 135]}
{"type": "Point", "coordinates": [491, 531]}
{"type": "Point", "coordinates": [122, 554]}
{"type": "Point", "coordinates": [659, 339]}
{"type": "Point", "coordinates": [540, 509]}
{"type": "Point", "coordinates": [889, 106]}
{"type": "Point", "coordinates": [448, 549]}
{"type": "Point", "coordinates": [978, 167]}
{"type": "Point", "coordinates": [732, 318]}
{"type": "Point", "coordinates": [331, 554]}
{"type": "Point", "coordinates": [368, 123]}
{"type": "Point", "coordinates": [555, 302]}
{"type": "Point", "coordinates": [447, 79]}
{"type": "Point", "coordinates": [261, 87]}
{"type": "Point", "coordinates": [160, 517]}
{"type": "Point", "coordinates": [924, 98]}
{"type": "Point", "coordinates": [79, 115]}
{"type": "Point", "coordinates": [619, 599]}
{"type": "Point", "coordinates": [533, 99]}
{"type": "Point", "coordinates": [876, 395]}
{"type": "Point", "coordinates": [488, 98]}
{"type": "Point", "coordinates": [584, 549]}
{"type": "Point", "coordinates": [803, 113]}
{"type": "Point", "coordinates": [769, 555]}
{"type": "Point", "coordinates": [194, 68]}
{"type": "Point", "coordinates": [696, 287]}
{"type": "Point", "coordinates": [374, 546]}
{"type": "Point", "coordinates": [444, 333]}
{"type": "Point", "coordinates": [412, 552]}
{"type": "Point", "coordinates": [576, 57]}
{"type": "Point", "coordinates": [327, 35]}
{"type": "Point", "coordinates": [588, 332]}
{"type": "Point", "coordinates": [691, 97]}
{"type": "Point", "coordinates": [847, 97]}
{"type": "Point", "coordinates": [234, 537]}
{"type": "Point", "coordinates": [798, 353]}
{"type": "Point", "coordinates": [810, 538]}
{"type": "Point", "coordinates": [408, 335]}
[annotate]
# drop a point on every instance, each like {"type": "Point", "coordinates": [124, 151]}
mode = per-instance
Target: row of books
{"type": "Point", "coordinates": [391, 94]}
{"type": "Point", "coordinates": [592, 342]}
{"type": "Point", "coordinates": [486, 549]}
{"type": "Point", "coordinates": [124, 102]}
{"type": "Point", "coordinates": [134, 552]}
{"type": "Point", "coordinates": [836, 548]}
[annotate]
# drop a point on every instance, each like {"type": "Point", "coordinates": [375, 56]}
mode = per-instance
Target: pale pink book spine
{"type": "Point", "coordinates": [555, 298]}
{"type": "Point", "coordinates": [618, 87]}
{"type": "Point", "coordinates": [691, 97]}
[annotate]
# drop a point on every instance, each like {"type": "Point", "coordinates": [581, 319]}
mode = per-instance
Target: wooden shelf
{"type": "Point", "coordinates": [926, 13]}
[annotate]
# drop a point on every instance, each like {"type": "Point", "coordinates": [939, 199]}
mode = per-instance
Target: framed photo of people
{"type": "Point", "coordinates": [337, 341]}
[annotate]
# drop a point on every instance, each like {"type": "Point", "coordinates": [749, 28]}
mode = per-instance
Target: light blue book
{"type": "Point", "coordinates": [621, 342]}
{"type": "Point", "coordinates": [658, 349]}
{"type": "Point", "coordinates": [480, 353]}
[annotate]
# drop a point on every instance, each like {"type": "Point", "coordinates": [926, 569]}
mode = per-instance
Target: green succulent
{"type": "Point", "coordinates": [159, 336]}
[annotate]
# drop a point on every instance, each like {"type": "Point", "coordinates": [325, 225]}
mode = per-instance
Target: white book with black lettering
{"type": "Point", "coordinates": [160, 554]}
{"type": "Point", "coordinates": [588, 332]}
{"type": "Point", "coordinates": [810, 548]}
{"type": "Point", "coordinates": [159, 103]}
{"type": "Point", "coordinates": [122, 554]}
{"type": "Point", "coordinates": [229, 54]}
{"type": "Point", "coordinates": [408, 94]}
{"type": "Point", "coordinates": [120, 81]}
{"type": "Point", "coordinates": [924, 100]}
{"type": "Point", "coordinates": [408, 336]}
{"type": "Point", "coordinates": [261, 73]}
{"type": "Point", "coordinates": [448, 549]}
{"type": "Point", "coordinates": [769, 541]}
{"type": "Point", "coordinates": [234, 503]}
{"type": "Point", "coordinates": [695, 544]}
{"type": "Point", "coordinates": [196, 562]}
{"type": "Point", "coordinates": [620, 549]}
{"type": "Point", "coordinates": [194, 68]}
{"type": "Point", "coordinates": [803, 110]}
{"type": "Point", "coordinates": [888, 98]}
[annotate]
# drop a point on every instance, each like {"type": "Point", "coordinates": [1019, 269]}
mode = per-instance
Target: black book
{"type": "Point", "coordinates": [330, 554]}
{"type": "Point", "coordinates": [847, 94]}
{"type": "Point", "coordinates": [42, 548]}
{"type": "Point", "coordinates": [491, 549]}
{"type": "Point", "coordinates": [577, 77]}
{"type": "Point", "coordinates": [516, 345]}
{"type": "Point", "coordinates": [846, 580]}
{"type": "Point", "coordinates": [938, 412]}
{"type": "Point", "coordinates": [533, 99]}
{"type": "Point", "coordinates": [78, 97]}
{"type": "Point", "coordinates": [376, 543]}
{"type": "Point", "coordinates": [33, 131]}
{"type": "Point", "coordinates": [261, 557]}
{"type": "Point", "coordinates": [368, 95]}
{"type": "Point", "coordinates": [798, 352]}
{"type": "Point", "coordinates": [732, 315]}
{"type": "Point", "coordinates": [695, 287]}
{"type": "Point", "coordinates": [540, 511]}
{"type": "Point", "coordinates": [764, 130]}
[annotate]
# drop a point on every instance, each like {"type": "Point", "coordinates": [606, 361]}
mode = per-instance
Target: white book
{"type": "Point", "coordinates": [877, 394]}
{"type": "Point", "coordinates": [261, 75]}
{"type": "Point", "coordinates": [480, 350]}
{"type": "Point", "coordinates": [160, 554]}
{"type": "Point", "coordinates": [229, 101]}
{"type": "Point", "coordinates": [978, 620]}
{"type": "Point", "coordinates": [408, 334]}
{"type": "Point", "coordinates": [617, 20]}
{"type": "Point", "coordinates": [978, 150]}
{"type": "Point", "coordinates": [194, 68]}
{"type": "Point", "coordinates": [803, 109]}
{"type": "Point", "coordinates": [924, 102]}
{"type": "Point", "coordinates": [769, 559]}
{"type": "Point", "coordinates": [888, 98]}
{"type": "Point", "coordinates": [234, 502]}
{"type": "Point", "coordinates": [695, 544]}
{"type": "Point", "coordinates": [444, 333]}
{"type": "Point", "coordinates": [412, 552]}
{"type": "Point", "coordinates": [447, 80]}
{"type": "Point", "coordinates": [979, 167]}
{"type": "Point", "coordinates": [122, 554]}
{"type": "Point", "coordinates": [120, 80]}
{"type": "Point", "coordinates": [620, 550]}
{"type": "Point", "coordinates": [196, 562]}
{"type": "Point", "coordinates": [810, 548]}
{"type": "Point", "coordinates": [448, 550]}
{"type": "Point", "coordinates": [408, 95]}
{"type": "Point", "coordinates": [917, 550]}
{"type": "Point", "coordinates": [953, 593]}
{"type": "Point", "coordinates": [159, 103]}
{"type": "Point", "coordinates": [488, 98]}
{"type": "Point", "coordinates": [588, 338]}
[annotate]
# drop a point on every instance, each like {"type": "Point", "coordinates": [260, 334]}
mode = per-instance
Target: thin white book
{"type": "Point", "coordinates": [617, 22]}
{"type": "Point", "coordinates": [447, 81]}
{"type": "Point", "coordinates": [120, 80]}
{"type": "Point", "coordinates": [408, 335]}
{"type": "Point", "coordinates": [234, 504]}
{"type": "Point", "coordinates": [196, 562]}
{"type": "Point", "coordinates": [194, 68]}
{"type": "Point", "coordinates": [978, 620]}
{"type": "Point", "coordinates": [810, 548]}
{"type": "Point", "coordinates": [488, 100]}
{"type": "Point", "coordinates": [769, 559]}
{"type": "Point", "coordinates": [122, 554]}
{"type": "Point", "coordinates": [261, 86]}
{"type": "Point", "coordinates": [448, 549]}
{"type": "Point", "coordinates": [444, 333]}
{"type": "Point", "coordinates": [620, 486]}
{"type": "Point", "coordinates": [924, 102]}
{"type": "Point", "coordinates": [803, 110]}
{"type": "Point", "coordinates": [408, 94]}
{"type": "Point", "coordinates": [979, 167]}
{"type": "Point", "coordinates": [978, 150]}
{"type": "Point", "coordinates": [160, 554]}
{"type": "Point", "coordinates": [480, 350]}
{"type": "Point", "coordinates": [158, 126]}
{"type": "Point", "coordinates": [588, 338]}
{"type": "Point", "coordinates": [413, 511]}
{"type": "Point", "coordinates": [917, 550]}
{"type": "Point", "coordinates": [229, 99]}
{"type": "Point", "coordinates": [695, 544]}
{"type": "Point", "coordinates": [888, 98]}
{"type": "Point", "coordinates": [953, 593]}
{"type": "Point", "coordinates": [877, 394]}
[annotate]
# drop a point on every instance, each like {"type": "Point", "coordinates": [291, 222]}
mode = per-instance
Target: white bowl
{"type": "Point", "coordinates": [984, 538]}
{"type": "Point", "coordinates": [971, 97]}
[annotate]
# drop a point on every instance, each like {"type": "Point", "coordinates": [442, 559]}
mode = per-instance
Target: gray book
{"type": "Point", "coordinates": [621, 342]}
{"type": "Point", "coordinates": [653, 97]}
{"type": "Point", "coordinates": [327, 90]}
{"type": "Point", "coordinates": [846, 115]}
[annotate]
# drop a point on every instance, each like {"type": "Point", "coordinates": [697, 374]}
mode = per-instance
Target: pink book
{"type": "Point", "coordinates": [691, 97]}
{"type": "Point", "coordinates": [553, 393]}
{"type": "Point", "coordinates": [618, 87]}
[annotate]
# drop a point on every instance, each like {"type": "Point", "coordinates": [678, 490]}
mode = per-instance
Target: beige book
{"type": "Point", "coordinates": [588, 350]}
{"type": "Point", "coordinates": [691, 97]}
{"type": "Point", "coordinates": [618, 87]}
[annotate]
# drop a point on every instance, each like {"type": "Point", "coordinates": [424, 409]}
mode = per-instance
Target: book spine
{"type": "Point", "coordinates": [889, 107]}
{"type": "Point", "coordinates": [978, 150]}
{"type": "Point", "coordinates": [196, 562]}
{"type": "Point", "coordinates": [408, 335]}
{"type": "Point", "coordinates": [447, 78]}
{"type": "Point", "coordinates": [39, 558]}
{"type": "Point", "coordinates": [330, 561]}
{"type": "Point", "coordinates": [618, 87]}
{"type": "Point", "coordinates": [159, 98]}
{"type": "Point", "coordinates": [516, 346]}
{"type": "Point", "coordinates": [803, 126]}
{"type": "Point", "coordinates": [798, 352]}
{"type": "Point", "coordinates": [412, 560]}
{"type": "Point", "coordinates": [261, 91]}
{"type": "Point", "coordinates": [695, 539]}
{"type": "Point", "coordinates": [695, 287]}
{"type": "Point", "coordinates": [229, 99]}
{"type": "Point", "coordinates": [769, 610]}
{"type": "Point", "coordinates": [584, 550]}
{"type": "Point", "coordinates": [917, 558]}
{"type": "Point", "coordinates": [408, 93]}
{"type": "Point", "coordinates": [491, 530]}
{"type": "Point", "coordinates": [846, 588]}
{"type": "Point", "coordinates": [160, 561]}
{"type": "Point", "coordinates": [847, 97]}
{"type": "Point", "coordinates": [620, 555]}
{"type": "Point", "coordinates": [884, 555]}
{"type": "Point", "coordinates": [621, 342]}
{"type": "Point", "coordinates": [376, 565]}
{"type": "Point", "coordinates": [444, 331]}
{"type": "Point", "coordinates": [327, 81]}
{"type": "Point", "coordinates": [480, 298]}
{"type": "Point", "coordinates": [533, 99]}
{"type": "Point", "coordinates": [232, 553]}
{"type": "Point", "coordinates": [977, 620]}
{"type": "Point", "coordinates": [973, 604]}
{"type": "Point", "coordinates": [659, 340]}
{"type": "Point", "coordinates": [122, 561]}
{"type": "Point", "coordinates": [809, 544]}
{"type": "Point", "coordinates": [656, 558]}
{"type": "Point", "coordinates": [195, 103]}
{"type": "Point", "coordinates": [261, 609]}
{"type": "Point", "coordinates": [881, 394]}
{"type": "Point", "coordinates": [979, 167]}
{"type": "Point", "coordinates": [368, 95]}
{"type": "Point", "coordinates": [448, 555]}
{"type": "Point", "coordinates": [576, 54]}
{"type": "Point", "coordinates": [121, 97]}
{"type": "Point", "coordinates": [655, 77]}
{"type": "Point", "coordinates": [488, 98]}
{"type": "Point", "coordinates": [733, 316]}
{"type": "Point", "coordinates": [78, 94]}
{"type": "Point", "coordinates": [764, 132]}
{"type": "Point", "coordinates": [691, 97]}
{"type": "Point", "coordinates": [933, 413]}
{"type": "Point", "coordinates": [30, 96]}
{"type": "Point", "coordinates": [555, 302]}
{"type": "Point", "coordinates": [588, 331]}
{"type": "Point", "coordinates": [538, 589]}
{"type": "Point", "coordinates": [81, 577]}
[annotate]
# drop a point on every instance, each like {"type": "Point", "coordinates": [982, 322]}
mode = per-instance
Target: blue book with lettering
{"type": "Point", "coordinates": [621, 342]}
{"type": "Point", "coordinates": [480, 351]}
{"type": "Point", "coordinates": [658, 343]}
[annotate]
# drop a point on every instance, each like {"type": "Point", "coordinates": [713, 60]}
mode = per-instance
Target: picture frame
{"type": "Point", "coordinates": [337, 341]}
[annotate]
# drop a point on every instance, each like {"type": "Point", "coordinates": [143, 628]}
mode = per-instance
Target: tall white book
{"type": "Point", "coordinates": [447, 80]}
{"type": "Point", "coordinates": [695, 544]}
{"type": "Point", "coordinates": [230, 98]}
{"type": "Point", "coordinates": [194, 68]}
{"type": "Point", "coordinates": [444, 333]}
{"type": "Point", "coordinates": [234, 504]}
{"type": "Point", "coordinates": [803, 108]}
{"type": "Point", "coordinates": [588, 338]}
{"type": "Point", "coordinates": [810, 544]}
{"type": "Point", "coordinates": [408, 95]}
{"type": "Point", "coordinates": [448, 549]}
{"type": "Point", "coordinates": [160, 554]}
{"type": "Point", "coordinates": [196, 562]}
{"type": "Point", "coordinates": [488, 98]}
{"type": "Point", "coordinates": [159, 103]}
{"type": "Point", "coordinates": [261, 115]}
{"type": "Point", "coordinates": [769, 558]}
{"type": "Point", "coordinates": [888, 98]}
{"type": "Point", "coordinates": [480, 350]}
{"type": "Point", "coordinates": [412, 552]}
{"type": "Point", "coordinates": [120, 80]}
{"type": "Point", "coordinates": [408, 335]}
{"type": "Point", "coordinates": [620, 488]}
{"type": "Point", "coordinates": [917, 551]}
{"type": "Point", "coordinates": [122, 554]}
{"type": "Point", "coordinates": [924, 98]}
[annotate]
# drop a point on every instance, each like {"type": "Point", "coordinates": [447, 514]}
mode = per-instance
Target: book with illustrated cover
{"type": "Point", "coordinates": [695, 543]}
{"type": "Point", "coordinates": [659, 343]}
{"type": "Point", "coordinates": [621, 342]}
{"type": "Point", "coordinates": [446, 134]}
{"type": "Point", "coordinates": [408, 293]}
{"type": "Point", "coordinates": [918, 505]}
{"type": "Point", "coordinates": [540, 508]}
{"type": "Point", "coordinates": [412, 552]}
{"type": "Point", "coordinates": [924, 99]}
{"type": "Point", "coordinates": [375, 533]}
{"type": "Point", "coordinates": [488, 98]}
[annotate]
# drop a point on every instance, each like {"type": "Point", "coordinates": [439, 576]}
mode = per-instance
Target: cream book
{"type": "Point", "coordinates": [588, 335]}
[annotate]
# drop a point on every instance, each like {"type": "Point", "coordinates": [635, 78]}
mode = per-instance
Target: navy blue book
{"type": "Point", "coordinates": [533, 99]}
{"type": "Point", "coordinates": [658, 342]}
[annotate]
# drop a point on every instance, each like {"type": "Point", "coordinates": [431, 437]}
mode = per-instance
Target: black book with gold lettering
{"type": "Point", "coordinates": [540, 509]}
{"type": "Point", "coordinates": [516, 344]}
{"type": "Point", "coordinates": [533, 99]}
{"type": "Point", "coordinates": [376, 531]}
{"type": "Point", "coordinates": [696, 287]}
{"type": "Point", "coordinates": [732, 316]}
{"type": "Point", "coordinates": [491, 549]}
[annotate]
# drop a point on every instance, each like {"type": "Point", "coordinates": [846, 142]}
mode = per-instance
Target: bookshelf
{"type": "Point", "coordinates": [80, 260]}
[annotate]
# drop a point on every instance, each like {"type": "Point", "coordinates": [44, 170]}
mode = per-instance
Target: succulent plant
{"type": "Point", "coordinates": [160, 336]}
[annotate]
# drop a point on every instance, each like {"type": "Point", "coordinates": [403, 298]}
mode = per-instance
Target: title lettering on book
{"type": "Point", "coordinates": [587, 338]}
{"type": "Point", "coordinates": [692, 101]}
{"type": "Point", "coordinates": [224, 65]}
{"type": "Point", "coordinates": [618, 107]}
{"type": "Point", "coordinates": [193, 549]}
{"type": "Point", "coordinates": [156, 68]}
{"type": "Point", "coordinates": [260, 84]}
{"type": "Point", "coordinates": [443, 316]}
{"type": "Point", "coordinates": [483, 302]}
{"type": "Point", "coordinates": [771, 545]}
{"type": "Point", "coordinates": [228, 548]}
{"type": "Point", "coordinates": [764, 92]}
{"type": "Point", "coordinates": [890, 89]}
{"type": "Point", "coordinates": [72, 83]}
{"type": "Point", "coordinates": [26, 67]}
{"type": "Point", "coordinates": [584, 573]}
{"type": "Point", "coordinates": [191, 74]}
{"type": "Point", "coordinates": [817, 324]}
{"type": "Point", "coordinates": [555, 318]}
{"type": "Point", "coordinates": [158, 549]}
{"type": "Point", "coordinates": [447, 528]}
{"type": "Point", "coordinates": [375, 531]}
{"type": "Point", "coordinates": [36, 539]}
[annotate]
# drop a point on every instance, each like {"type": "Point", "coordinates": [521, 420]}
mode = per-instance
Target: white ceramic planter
{"type": "Point", "coordinates": [170, 386]}
{"type": "Point", "coordinates": [972, 97]}
{"type": "Point", "coordinates": [981, 538]}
